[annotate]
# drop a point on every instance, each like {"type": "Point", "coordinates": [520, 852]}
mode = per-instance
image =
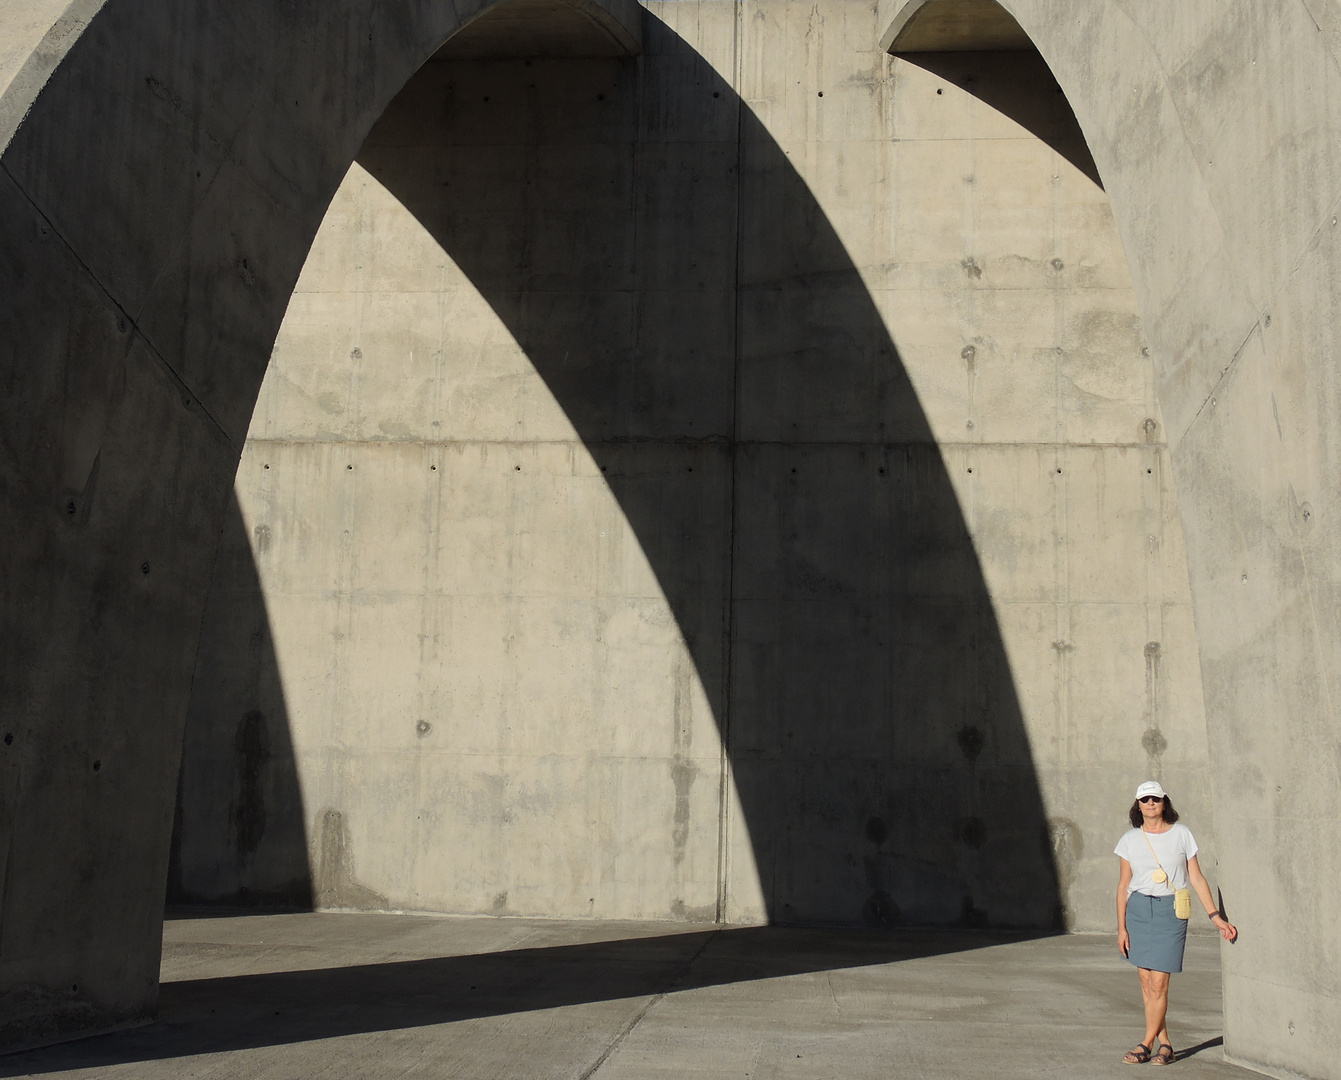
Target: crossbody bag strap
{"type": "Point", "coordinates": [1167, 879]}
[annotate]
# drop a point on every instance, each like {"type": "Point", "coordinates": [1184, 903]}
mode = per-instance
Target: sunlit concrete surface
{"type": "Point", "coordinates": [332, 995]}
{"type": "Point", "coordinates": [517, 613]}
{"type": "Point", "coordinates": [157, 203]}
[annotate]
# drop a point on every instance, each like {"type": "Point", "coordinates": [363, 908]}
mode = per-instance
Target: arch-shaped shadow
{"type": "Point", "coordinates": [721, 356]}
{"type": "Point", "coordinates": [680, 291]}
{"type": "Point", "coordinates": [244, 823]}
{"type": "Point", "coordinates": [1017, 83]}
{"type": "Point", "coordinates": [150, 244]}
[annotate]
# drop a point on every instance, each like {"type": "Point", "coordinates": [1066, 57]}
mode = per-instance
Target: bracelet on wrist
{"type": "Point", "coordinates": [1214, 915]}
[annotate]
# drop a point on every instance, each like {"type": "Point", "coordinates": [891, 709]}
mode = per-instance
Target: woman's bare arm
{"type": "Point", "coordinates": [1124, 879]}
{"type": "Point", "coordinates": [1203, 890]}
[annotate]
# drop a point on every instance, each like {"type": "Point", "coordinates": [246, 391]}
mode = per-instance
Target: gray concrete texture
{"type": "Point", "coordinates": [391, 996]}
{"type": "Point", "coordinates": [453, 655]}
{"type": "Point", "coordinates": [1228, 219]}
{"type": "Point", "coordinates": [156, 206]}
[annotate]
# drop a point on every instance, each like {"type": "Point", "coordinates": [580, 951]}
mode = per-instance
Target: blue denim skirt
{"type": "Point", "coordinates": [1157, 935]}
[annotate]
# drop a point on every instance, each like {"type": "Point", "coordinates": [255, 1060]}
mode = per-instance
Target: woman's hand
{"type": "Point", "coordinates": [1124, 879]}
{"type": "Point", "coordinates": [1227, 929]}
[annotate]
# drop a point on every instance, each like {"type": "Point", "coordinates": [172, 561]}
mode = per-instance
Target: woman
{"type": "Point", "coordinates": [1158, 857]}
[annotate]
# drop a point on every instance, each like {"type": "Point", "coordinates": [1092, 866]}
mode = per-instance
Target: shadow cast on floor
{"type": "Point", "coordinates": [1208, 1044]}
{"type": "Point", "coordinates": [221, 1015]}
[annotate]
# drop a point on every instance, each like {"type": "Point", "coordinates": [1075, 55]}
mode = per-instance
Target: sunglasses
{"type": "Point", "coordinates": [1150, 798]}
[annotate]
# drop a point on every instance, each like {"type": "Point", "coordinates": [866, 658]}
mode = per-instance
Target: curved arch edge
{"type": "Point", "coordinates": [19, 92]}
{"type": "Point", "coordinates": [622, 20]}
{"type": "Point", "coordinates": [948, 26]}
{"type": "Point", "coordinates": [549, 28]}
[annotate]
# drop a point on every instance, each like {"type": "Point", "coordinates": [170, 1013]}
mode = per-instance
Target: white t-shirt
{"type": "Point", "coordinates": [1173, 849]}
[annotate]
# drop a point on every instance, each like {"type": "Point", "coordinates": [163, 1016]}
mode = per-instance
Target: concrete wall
{"type": "Point", "coordinates": [491, 703]}
{"type": "Point", "coordinates": [1228, 217]}
{"type": "Point", "coordinates": [156, 206]}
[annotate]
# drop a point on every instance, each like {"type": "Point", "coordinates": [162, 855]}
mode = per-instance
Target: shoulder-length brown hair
{"type": "Point", "coordinates": [1137, 818]}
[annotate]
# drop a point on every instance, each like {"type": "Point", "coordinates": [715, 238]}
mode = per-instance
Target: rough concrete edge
{"type": "Point", "coordinates": [894, 16]}
{"type": "Point", "coordinates": [1003, 34]}
{"type": "Point", "coordinates": [17, 98]}
{"type": "Point", "coordinates": [622, 20]}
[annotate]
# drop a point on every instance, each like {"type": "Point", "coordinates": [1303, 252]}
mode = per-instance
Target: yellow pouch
{"type": "Point", "coordinates": [1182, 898]}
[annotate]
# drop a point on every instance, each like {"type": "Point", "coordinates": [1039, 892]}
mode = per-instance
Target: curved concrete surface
{"type": "Point", "coordinates": [155, 208]}
{"type": "Point", "coordinates": [950, 25]}
{"type": "Point", "coordinates": [494, 685]}
{"type": "Point", "coordinates": [1215, 128]}
{"type": "Point", "coordinates": [34, 38]}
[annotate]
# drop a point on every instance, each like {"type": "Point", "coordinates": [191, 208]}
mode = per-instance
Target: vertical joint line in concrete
{"type": "Point", "coordinates": [724, 771]}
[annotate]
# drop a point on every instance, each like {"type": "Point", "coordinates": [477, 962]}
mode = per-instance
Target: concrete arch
{"type": "Point", "coordinates": [1227, 216]}
{"type": "Point", "coordinates": [162, 163]}
{"type": "Point", "coordinates": [148, 312]}
{"type": "Point", "coordinates": [1214, 128]}
{"type": "Point", "coordinates": [159, 200]}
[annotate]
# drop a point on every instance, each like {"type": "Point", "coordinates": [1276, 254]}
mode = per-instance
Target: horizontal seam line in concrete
{"type": "Point", "coordinates": [969, 285]}
{"type": "Point", "coordinates": [708, 441]}
{"type": "Point", "coordinates": [739, 598]}
{"type": "Point", "coordinates": [130, 319]}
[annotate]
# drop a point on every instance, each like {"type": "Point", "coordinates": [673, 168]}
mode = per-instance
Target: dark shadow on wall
{"type": "Point", "coordinates": [1019, 84]}
{"type": "Point", "coordinates": [279, 1008]}
{"type": "Point", "coordinates": [238, 836]}
{"type": "Point", "coordinates": [682, 294]}
{"type": "Point", "coordinates": [686, 300]}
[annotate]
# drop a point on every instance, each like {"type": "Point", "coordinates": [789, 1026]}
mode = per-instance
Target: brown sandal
{"type": "Point", "coordinates": [1166, 1056]}
{"type": "Point", "coordinates": [1139, 1056]}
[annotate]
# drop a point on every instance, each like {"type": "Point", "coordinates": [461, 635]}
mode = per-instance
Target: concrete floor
{"type": "Point", "coordinates": [327, 995]}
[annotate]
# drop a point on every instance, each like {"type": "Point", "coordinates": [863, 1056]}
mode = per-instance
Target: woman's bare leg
{"type": "Point", "coordinates": [1155, 994]}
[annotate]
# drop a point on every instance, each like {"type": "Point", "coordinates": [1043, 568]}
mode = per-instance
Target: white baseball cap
{"type": "Point", "coordinates": [1150, 787]}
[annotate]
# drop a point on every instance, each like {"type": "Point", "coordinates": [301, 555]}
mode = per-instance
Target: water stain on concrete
{"type": "Point", "coordinates": [1153, 742]}
{"type": "Point", "coordinates": [683, 773]}
{"type": "Point", "coordinates": [971, 741]}
{"type": "Point", "coordinates": [881, 910]}
{"type": "Point", "coordinates": [971, 915]}
{"type": "Point", "coordinates": [682, 912]}
{"type": "Point", "coordinates": [972, 832]}
{"type": "Point", "coordinates": [337, 885]}
{"type": "Point", "coordinates": [1068, 848]}
{"type": "Point", "coordinates": [251, 747]}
